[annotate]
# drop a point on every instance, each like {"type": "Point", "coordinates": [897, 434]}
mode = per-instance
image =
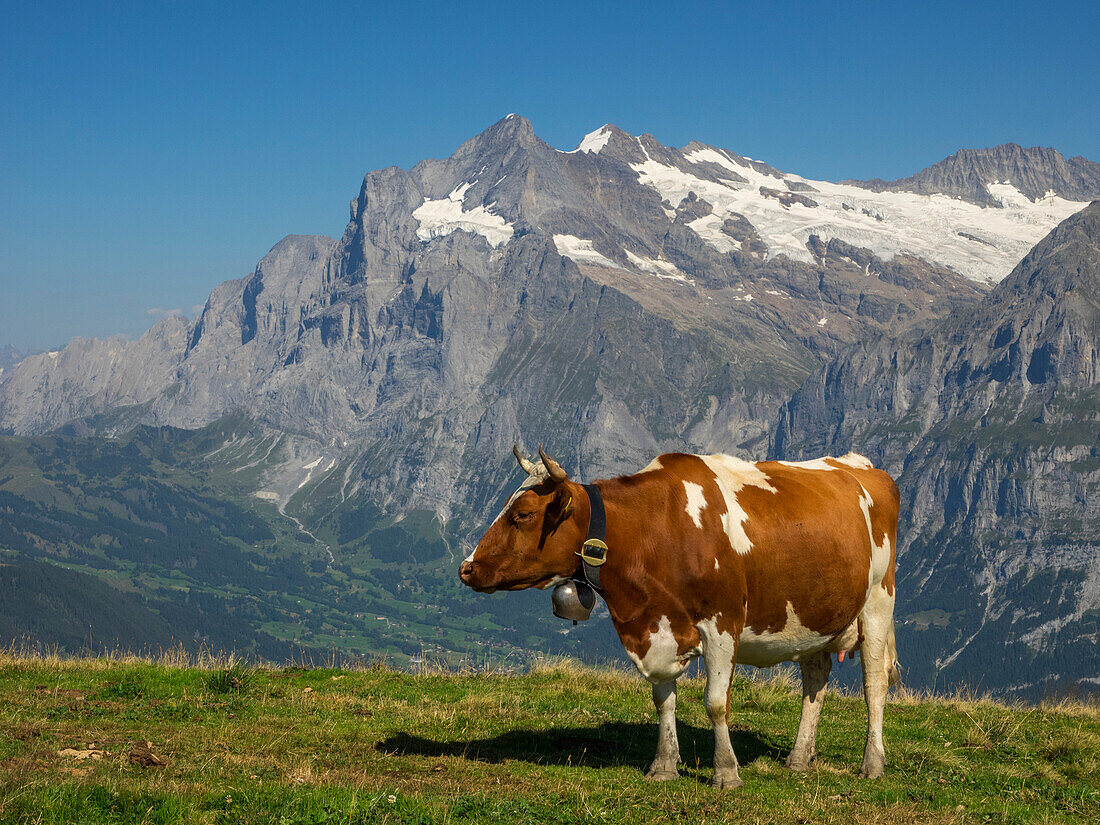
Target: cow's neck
{"type": "Point", "coordinates": [625, 580]}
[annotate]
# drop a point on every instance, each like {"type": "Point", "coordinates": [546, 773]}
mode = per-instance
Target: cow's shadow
{"type": "Point", "coordinates": [612, 744]}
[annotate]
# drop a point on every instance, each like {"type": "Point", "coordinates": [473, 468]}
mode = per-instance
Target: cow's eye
{"type": "Point", "coordinates": [526, 515]}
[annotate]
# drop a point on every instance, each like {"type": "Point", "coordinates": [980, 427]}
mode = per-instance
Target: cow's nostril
{"type": "Point", "coordinates": [465, 570]}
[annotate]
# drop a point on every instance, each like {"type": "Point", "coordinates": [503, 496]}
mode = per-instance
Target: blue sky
{"type": "Point", "coordinates": [152, 150]}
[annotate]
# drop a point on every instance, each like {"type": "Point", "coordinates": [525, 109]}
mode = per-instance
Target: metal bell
{"type": "Point", "coordinates": [573, 600]}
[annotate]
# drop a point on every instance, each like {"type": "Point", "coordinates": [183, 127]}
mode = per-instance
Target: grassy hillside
{"type": "Point", "coordinates": [560, 745]}
{"type": "Point", "coordinates": [161, 524]}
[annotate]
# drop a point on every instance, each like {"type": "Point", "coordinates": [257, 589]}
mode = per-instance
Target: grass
{"type": "Point", "coordinates": [562, 744]}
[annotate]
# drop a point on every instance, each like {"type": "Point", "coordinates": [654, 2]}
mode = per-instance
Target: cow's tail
{"type": "Point", "coordinates": [893, 669]}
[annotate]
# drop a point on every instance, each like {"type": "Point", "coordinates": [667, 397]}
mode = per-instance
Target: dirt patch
{"type": "Point", "coordinates": [26, 731]}
{"type": "Point", "coordinates": [142, 755]}
{"type": "Point", "coordinates": [68, 693]}
{"type": "Point", "coordinates": [82, 754]}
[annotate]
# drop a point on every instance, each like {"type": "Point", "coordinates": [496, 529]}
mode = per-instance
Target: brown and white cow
{"type": "Point", "coordinates": [717, 557]}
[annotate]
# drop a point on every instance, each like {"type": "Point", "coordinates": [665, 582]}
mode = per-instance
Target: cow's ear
{"type": "Point", "coordinates": [561, 507]}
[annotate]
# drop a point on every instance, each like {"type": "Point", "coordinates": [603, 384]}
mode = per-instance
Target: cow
{"type": "Point", "coordinates": [718, 557]}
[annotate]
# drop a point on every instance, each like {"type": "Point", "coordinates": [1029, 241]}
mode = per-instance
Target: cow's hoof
{"type": "Point", "coordinates": [661, 774]}
{"type": "Point", "coordinates": [726, 780]}
{"type": "Point", "coordinates": [873, 767]}
{"type": "Point", "coordinates": [799, 763]}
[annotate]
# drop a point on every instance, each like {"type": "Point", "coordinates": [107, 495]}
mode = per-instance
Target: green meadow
{"type": "Point", "coordinates": [561, 744]}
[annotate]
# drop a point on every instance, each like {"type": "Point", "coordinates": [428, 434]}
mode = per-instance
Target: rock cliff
{"type": "Point", "coordinates": [991, 423]}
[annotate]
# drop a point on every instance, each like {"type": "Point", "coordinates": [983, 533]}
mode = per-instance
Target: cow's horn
{"type": "Point", "coordinates": [526, 464]}
{"type": "Point", "coordinates": [557, 474]}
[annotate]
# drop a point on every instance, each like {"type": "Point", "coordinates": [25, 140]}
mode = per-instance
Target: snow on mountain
{"type": "Point", "coordinates": [581, 251]}
{"type": "Point", "coordinates": [595, 141]}
{"type": "Point", "coordinates": [982, 243]}
{"type": "Point", "coordinates": [745, 207]}
{"type": "Point", "coordinates": [444, 216]}
{"type": "Point", "coordinates": [662, 269]}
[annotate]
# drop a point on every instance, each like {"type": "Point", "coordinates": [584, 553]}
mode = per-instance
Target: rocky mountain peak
{"type": "Point", "coordinates": [511, 133]}
{"type": "Point", "coordinates": [990, 176]}
{"type": "Point", "coordinates": [512, 127]}
{"type": "Point", "coordinates": [292, 255]}
{"type": "Point", "coordinates": [609, 141]}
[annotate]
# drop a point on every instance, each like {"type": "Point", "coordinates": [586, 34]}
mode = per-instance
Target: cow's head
{"type": "Point", "coordinates": [535, 539]}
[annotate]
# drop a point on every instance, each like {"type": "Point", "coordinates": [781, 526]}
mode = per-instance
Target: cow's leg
{"type": "Point", "coordinates": [668, 747]}
{"type": "Point", "coordinates": [719, 654]}
{"type": "Point", "coordinates": [877, 657]}
{"type": "Point", "coordinates": [815, 675]}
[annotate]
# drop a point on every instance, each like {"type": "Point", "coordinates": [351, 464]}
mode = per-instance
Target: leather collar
{"type": "Point", "coordinates": [593, 552]}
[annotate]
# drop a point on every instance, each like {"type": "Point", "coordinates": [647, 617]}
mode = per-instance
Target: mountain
{"type": "Point", "coordinates": [751, 275]}
{"type": "Point", "coordinates": [9, 357]}
{"type": "Point", "coordinates": [611, 299]}
{"type": "Point", "coordinates": [990, 421]}
{"type": "Point", "coordinates": [362, 395]}
{"type": "Point", "coordinates": [991, 177]}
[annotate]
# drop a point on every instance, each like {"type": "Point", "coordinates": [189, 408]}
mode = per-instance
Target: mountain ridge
{"type": "Point", "coordinates": [429, 292]}
{"type": "Point", "coordinates": [1035, 171]}
{"type": "Point", "coordinates": [989, 423]}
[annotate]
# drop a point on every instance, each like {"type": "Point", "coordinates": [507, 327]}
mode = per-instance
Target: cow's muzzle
{"type": "Point", "coordinates": [468, 575]}
{"type": "Point", "coordinates": [465, 571]}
